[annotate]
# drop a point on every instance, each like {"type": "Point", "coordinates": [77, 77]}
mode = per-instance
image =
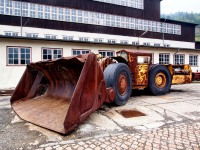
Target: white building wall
{"type": "Point", "coordinates": [91, 36]}
{"type": "Point", "coordinates": [10, 75]}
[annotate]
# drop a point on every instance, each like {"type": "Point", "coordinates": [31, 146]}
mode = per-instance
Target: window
{"type": "Point", "coordinates": [40, 11]}
{"type": "Point", "coordinates": [8, 7]}
{"type": "Point", "coordinates": [60, 16]}
{"type": "Point", "coordinates": [124, 42]}
{"type": "Point", "coordinates": [80, 16]}
{"type": "Point", "coordinates": [163, 58]}
{"type": "Point", "coordinates": [83, 38]}
{"type": "Point", "coordinates": [17, 8]}
{"type": "Point", "coordinates": [10, 33]}
{"type": "Point", "coordinates": [49, 36]}
{"type": "Point", "coordinates": [73, 15]}
{"type": "Point", "coordinates": [2, 6]}
{"type": "Point", "coordinates": [105, 53]}
{"type": "Point", "coordinates": [54, 13]}
{"type": "Point", "coordinates": [146, 43]}
{"type": "Point", "coordinates": [25, 9]}
{"type": "Point", "coordinates": [135, 43]}
{"type": "Point", "coordinates": [19, 55]}
{"type": "Point", "coordinates": [143, 59]}
{"type": "Point", "coordinates": [157, 44]}
{"type": "Point", "coordinates": [35, 35]}
{"type": "Point", "coordinates": [166, 45]}
{"type": "Point", "coordinates": [33, 10]}
{"type": "Point", "coordinates": [111, 41]}
{"type": "Point", "coordinates": [51, 53]}
{"type": "Point", "coordinates": [68, 37]}
{"type": "Point", "coordinates": [47, 12]}
{"type": "Point", "coordinates": [67, 15]}
{"type": "Point", "coordinates": [193, 60]}
{"type": "Point", "coordinates": [98, 40]}
{"type": "Point", "coordinates": [79, 52]}
{"type": "Point", "coordinates": [179, 59]}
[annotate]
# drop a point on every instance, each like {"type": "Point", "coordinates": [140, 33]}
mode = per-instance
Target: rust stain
{"type": "Point", "coordinates": [130, 113]}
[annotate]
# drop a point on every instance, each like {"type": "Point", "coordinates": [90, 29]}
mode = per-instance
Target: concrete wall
{"type": "Point", "coordinates": [10, 75]}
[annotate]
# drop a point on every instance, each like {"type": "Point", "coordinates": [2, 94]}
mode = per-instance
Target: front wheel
{"type": "Point", "coordinates": [118, 76]}
{"type": "Point", "coordinates": [160, 80]}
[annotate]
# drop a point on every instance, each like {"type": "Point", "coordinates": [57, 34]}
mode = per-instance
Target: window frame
{"type": "Point", "coordinates": [12, 33]}
{"type": "Point", "coordinates": [107, 51]}
{"type": "Point", "coordinates": [52, 54]}
{"type": "Point", "coordinates": [193, 63]}
{"type": "Point", "coordinates": [165, 54]}
{"type": "Point", "coordinates": [179, 58]}
{"type": "Point", "coordinates": [19, 55]}
{"type": "Point", "coordinates": [81, 50]}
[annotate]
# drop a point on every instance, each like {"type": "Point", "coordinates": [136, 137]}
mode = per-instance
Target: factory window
{"type": "Point", "coordinates": [157, 44]}
{"type": "Point", "coordinates": [50, 36]}
{"type": "Point", "coordinates": [79, 51]}
{"type": "Point", "coordinates": [83, 38]}
{"type": "Point", "coordinates": [67, 15]}
{"type": "Point", "coordinates": [25, 9]}
{"type": "Point", "coordinates": [2, 4]}
{"type": "Point", "coordinates": [47, 12]}
{"type": "Point", "coordinates": [10, 33]}
{"type": "Point", "coordinates": [124, 42]}
{"type": "Point", "coordinates": [40, 11]}
{"type": "Point", "coordinates": [80, 16]}
{"type": "Point", "coordinates": [163, 58]}
{"type": "Point", "coordinates": [73, 15]}
{"type": "Point", "coordinates": [100, 40]}
{"type": "Point", "coordinates": [17, 8]}
{"type": "Point", "coordinates": [135, 43]}
{"type": "Point", "coordinates": [54, 13]}
{"type": "Point", "coordinates": [61, 16]}
{"type": "Point", "coordinates": [193, 60]}
{"type": "Point", "coordinates": [8, 7]}
{"type": "Point", "coordinates": [19, 55]}
{"type": "Point", "coordinates": [111, 41]}
{"type": "Point", "coordinates": [34, 35]}
{"type": "Point", "coordinates": [106, 53]}
{"type": "Point", "coordinates": [146, 43]}
{"type": "Point", "coordinates": [51, 53]}
{"type": "Point", "coordinates": [68, 38]}
{"type": "Point", "coordinates": [33, 10]}
{"type": "Point", "coordinates": [179, 59]}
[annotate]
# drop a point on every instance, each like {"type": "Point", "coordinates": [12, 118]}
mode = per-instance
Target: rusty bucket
{"type": "Point", "coordinates": [60, 94]}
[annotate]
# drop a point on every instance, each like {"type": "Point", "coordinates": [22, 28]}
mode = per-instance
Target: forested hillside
{"type": "Point", "coordinates": [185, 17]}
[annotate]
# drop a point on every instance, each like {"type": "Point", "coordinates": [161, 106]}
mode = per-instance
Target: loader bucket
{"type": "Point", "coordinates": [60, 94]}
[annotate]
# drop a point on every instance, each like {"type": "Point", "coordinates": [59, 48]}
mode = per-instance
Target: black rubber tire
{"type": "Point", "coordinates": [155, 90]}
{"type": "Point", "coordinates": [111, 75]}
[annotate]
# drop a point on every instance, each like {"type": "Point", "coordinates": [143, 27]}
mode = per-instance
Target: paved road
{"type": "Point", "coordinates": [170, 122]}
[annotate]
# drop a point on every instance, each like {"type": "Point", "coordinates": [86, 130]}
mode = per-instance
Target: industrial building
{"type": "Point", "coordinates": [32, 31]}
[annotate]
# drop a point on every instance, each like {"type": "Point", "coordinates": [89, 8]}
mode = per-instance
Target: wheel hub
{"type": "Point", "coordinates": [122, 84]}
{"type": "Point", "coordinates": [160, 80]}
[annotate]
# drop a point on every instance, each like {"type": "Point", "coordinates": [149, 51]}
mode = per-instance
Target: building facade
{"type": "Point", "coordinates": [39, 30]}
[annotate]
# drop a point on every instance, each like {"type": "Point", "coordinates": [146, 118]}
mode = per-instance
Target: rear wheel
{"type": "Point", "coordinates": [118, 76]}
{"type": "Point", "coordinates": [159, 80]}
